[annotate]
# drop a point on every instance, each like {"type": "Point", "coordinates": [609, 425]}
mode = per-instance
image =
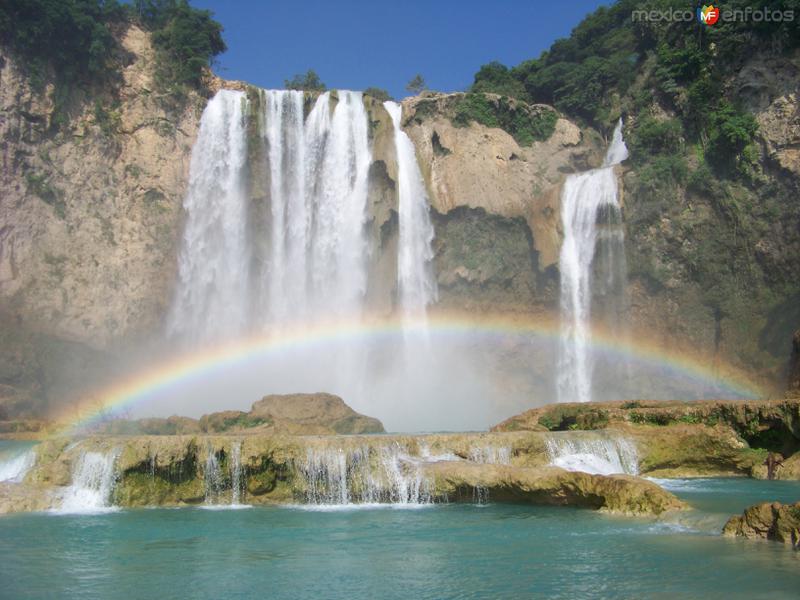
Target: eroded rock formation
{"type": "Point", "coordinates": [769, 521]}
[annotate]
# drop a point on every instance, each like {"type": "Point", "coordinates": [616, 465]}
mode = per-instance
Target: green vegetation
{"type": "Point", "coordinates": [74, 42]}
{"type": "Point", "coordinates": [417, 84]}
{"type": "Point", "coordinates": [308, 82]}
{"type": "Point", "coordinates": [378, 93]}
{"type": "Point", "coordinates": [612, 64]}
{"type": "Point", "coordinates": [572, 418]}
{"type": "Point", "coordinates": [39, 185]}
{"type": "Point", "coordinates": [186, 40]}
{"type": "Point", "coordinates": [702, 204]}
{"type": "Point", "coordinates": [526, 124]}
{"type": "Point", "coordinates": [73, 37]}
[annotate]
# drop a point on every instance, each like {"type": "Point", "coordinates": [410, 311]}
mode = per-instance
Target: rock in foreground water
{"type": "Point", "coordinates": [553, 486]}
{"type": "Point", "coordinates": [769, 521]}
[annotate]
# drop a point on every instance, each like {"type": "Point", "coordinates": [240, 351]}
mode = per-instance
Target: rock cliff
{"type": "Point", "coordinates": [90, 218]}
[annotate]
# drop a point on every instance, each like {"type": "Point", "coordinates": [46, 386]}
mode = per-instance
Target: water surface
{"type": "Point", "coordinates": [452, 551]}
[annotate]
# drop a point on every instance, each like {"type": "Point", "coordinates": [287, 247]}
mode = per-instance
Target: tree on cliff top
{"type": "Point", "coordinates": [187, 40]}
{"type": "Point", "coordinates": [308, 82]}
{"type": "Point", "coordinates": [417, 84]}
{"type": "Point", "coordinates": [75, 38]}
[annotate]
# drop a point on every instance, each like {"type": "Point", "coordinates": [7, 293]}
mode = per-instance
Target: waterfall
{"type": "Point", "coordinates": [415, 279]}
{"type": "Point", "coordinates": [212, 289]}
{"type": "Point", "coordinates": [93, 481]}
{"type": "Point", "coordinates": [490, 455]}
{"type": "Point", "coordinates": [212, 478]}
{"type": "Point", "coordinates": [237, 483]}
{"type": "Point", "coordinates": [14, 468]}
{"type": "Point", "coordinates": [217, 480]}
{"type": "Point", "coordinates": [298, 253]}
{"type": "Point", "coordinates": [317, 168]}
{"type": "Point", "coordinates": [366, 475]}
{"type": "Point", "coordinates": [592, 453]}
{"type": "Point", "coordinates": [588, 199]}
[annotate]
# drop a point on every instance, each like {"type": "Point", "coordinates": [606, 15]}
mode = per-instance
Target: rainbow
{"type": "Point", "coordinates": [134, 388]}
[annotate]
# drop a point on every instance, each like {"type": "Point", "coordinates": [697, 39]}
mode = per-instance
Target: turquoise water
{"type": "Point", "coordinates": [453, 551]}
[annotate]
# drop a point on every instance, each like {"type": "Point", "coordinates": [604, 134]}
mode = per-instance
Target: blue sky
{"type": "Point", "coordinates": [356, 44]}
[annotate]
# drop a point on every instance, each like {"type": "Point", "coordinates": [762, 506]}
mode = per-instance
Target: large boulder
{"type": "Point", "coordinates": [313, 414]}
{"type": "Point", "coordinates": [769, 521]}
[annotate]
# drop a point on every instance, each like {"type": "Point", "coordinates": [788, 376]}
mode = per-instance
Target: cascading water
{"type": "Point", "coordinates": [314, 264]}
{"type": "Point", "coordinates": [387, 474]}
{"type": "Point", "coordinates": [587, 198]}
{"type": "Point", "coordinates": [297, 253]}
{"type": "Point", "coordinates": [237, 482]}
{"type": "Point", "coordinates": [212, 291]}
{"type": "Point", "coordinates": [14, 467]}
{"type": "Point", "coordinates": [490, 455]}
{"type": "Point", "coordinates": [592, 453]}
{"type": "Point", "coordinates": [213, 478]}
{"type": "Point", "coordinates": [415, 280]}
{"type": "Point", "coordinates": [93, 481]}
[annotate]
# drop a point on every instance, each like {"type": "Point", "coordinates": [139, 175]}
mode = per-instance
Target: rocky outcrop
{"type": "Point", "coordinates": [269, 468]}
{"type": "Point", "coordinates": [293, 414]}
{"type": "Point", "coordinates": [313, 413]}
{"type": "Point", "coordinates": [794, 366]}
{"type": "Point", "coordinates": [768, 521]}
{"type": "Point", "coordinates": [496, 204]}
{"type": "Point", "coordinates": [551, 486]}
{"type": "Point", "coordinates": [90, 216]}
{"type": "Point", "coordinates": [91, 211]}
{"type": "Point", "coordinates": [685, 439]}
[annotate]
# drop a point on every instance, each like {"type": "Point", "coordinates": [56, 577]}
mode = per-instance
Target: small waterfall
{"type": "Point", "coordinates": [415, 279]}
{"type": "Point", "coordinates": [213, 478]}
{"type": "Point", "coordinates": [212, 290]}
{"type": "Point", "coordinates": [593, 453]}
{"type": "Point", "coordinates": [93, 481]}
{"type": "Point", "coordinates": [588, 199]}
{"type": "Point", "coordinates": [333, 476]}
{"type": "Point", "coordinates": [223, 473]}
{"type": "Point", "coordinates": [14, 468]}
{"type": "Point", "coordinates": [237, 482]}
{"type": "Point", "coordinates": [490, 455]}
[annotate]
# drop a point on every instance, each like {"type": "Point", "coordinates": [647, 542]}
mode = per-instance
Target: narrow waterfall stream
{"type": "Point", "coordinates": [237, 481]}
{"type": "Point", "coordinates": [586, 201]}
{"type": "Point", "coordinates": [415, 277]}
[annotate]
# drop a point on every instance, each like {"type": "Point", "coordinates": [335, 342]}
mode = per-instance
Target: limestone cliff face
{"type": "Point", "coordinates": [496, 203]}
{"type": "Point", "coordinates": [91, 213]}
{"type": "Point", "coordinates": [713, 262]}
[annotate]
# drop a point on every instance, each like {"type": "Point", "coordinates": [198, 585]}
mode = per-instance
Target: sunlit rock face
{"type": "Point", "coordinates": [770, 521]}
